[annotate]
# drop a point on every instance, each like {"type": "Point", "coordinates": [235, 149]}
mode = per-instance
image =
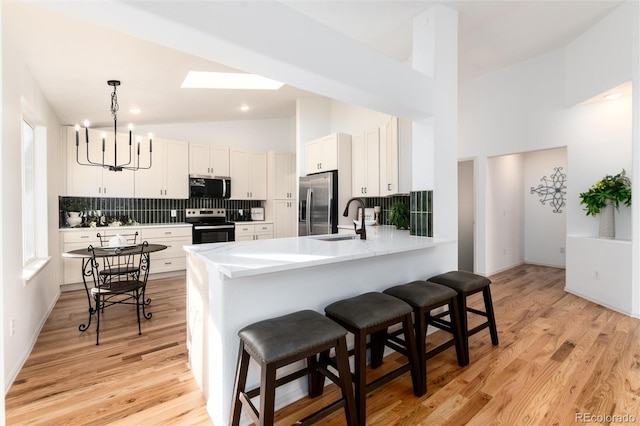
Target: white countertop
{"type": "Point", "coordinates": [247, 258]}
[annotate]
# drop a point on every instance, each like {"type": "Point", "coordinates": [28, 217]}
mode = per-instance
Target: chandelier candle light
{"type": "Point", "coordinates": [115, 167]}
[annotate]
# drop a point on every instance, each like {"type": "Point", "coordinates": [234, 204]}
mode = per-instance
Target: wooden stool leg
{"type": "Point", "coordinates": [464, 325]}
{"type": "Point", "coordinates": [315, 379]}
{"type": "Point", "coordinates": [238, 388]}
{"type": "Point", "coordinates": [360, 346]}
{"type": "Point", "coordinates": [454, 316]}
{"type": "Point", "coordinates": [378, 340]}
{"type": "Point", "coordinates": [421, 337]}
{"type": "Point", "coordinates": [267, 394]}
{"type": "Point", "coordinates": [412, 354]}
{"type": "Point", "coordinates": [342, 361]}
{"type": "Point", "coordinates": [488, 304]}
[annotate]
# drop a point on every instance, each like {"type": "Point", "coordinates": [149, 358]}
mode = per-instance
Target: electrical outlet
{"type": "Point", "coordinates": [562, 250]}
{"type": "Point", "coordinates": [12, 327]}
{"type": "Point", "coordinates": [174, 213]}
{"type": "Point", "coordinates": [596, 275]}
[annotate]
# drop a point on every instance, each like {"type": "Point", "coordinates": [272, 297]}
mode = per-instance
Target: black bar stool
{"type": "Point", "coordinates": [280, 341]}
{"type": "Point", "coordinates": [371, 314]}
{"type": "Point", "coordinates": [467, 284]}
{"type": "Point", "coordinates": [424, 296]}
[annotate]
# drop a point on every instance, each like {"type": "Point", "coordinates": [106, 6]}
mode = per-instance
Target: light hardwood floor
{"type": "Point", "coordinates": [559, 357]}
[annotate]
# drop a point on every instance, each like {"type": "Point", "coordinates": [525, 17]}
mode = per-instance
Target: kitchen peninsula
{"type": "Point", "coordinates": [231, 285]}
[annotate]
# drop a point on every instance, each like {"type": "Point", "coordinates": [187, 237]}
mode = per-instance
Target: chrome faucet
{"type": "Point", "coordinates": [362, 231]}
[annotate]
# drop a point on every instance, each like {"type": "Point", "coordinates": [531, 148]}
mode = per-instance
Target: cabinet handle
{"type": "Point", "coordinates": [167, 263]}
{"type": "Point", "coordinates": [168, 233]}
{"type": "Point", "coordinates": [388, 187]}
{"type": "Point", "coordinates": [84, 236]}
{"type": "Point", "coordinates": [105, 190]}
{"type": "Point", "coordinates": [365, 189]}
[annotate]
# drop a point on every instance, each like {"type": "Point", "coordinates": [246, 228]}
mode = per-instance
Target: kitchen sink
{"type": "Point", "coordinates": [339, 238]}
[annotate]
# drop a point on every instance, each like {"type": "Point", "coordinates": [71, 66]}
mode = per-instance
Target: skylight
{"type": "Point", "coordinates": [224, 80]}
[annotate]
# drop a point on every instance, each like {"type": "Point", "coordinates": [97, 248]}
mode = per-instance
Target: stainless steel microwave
{"type": "Point", "coordinates": [201, 187]}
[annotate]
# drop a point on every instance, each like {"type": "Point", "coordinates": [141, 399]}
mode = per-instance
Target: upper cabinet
{"type": "Point", "coordinates": [248, 171]}
{"type": "Point", "coordinates": [96, 181]}
{"type": "Point", "coordinates": [389, 184]}
{"type": "Point", "coordinates": [281, 172]}
{"type": "Point", "coordinates": [208, 160]}
{"type": "Point", "coordinates": [323, 154]}
{"type": "Point", "coordinates": [168, 176]}
{"type": "Point", "coordinates": [365, 164]}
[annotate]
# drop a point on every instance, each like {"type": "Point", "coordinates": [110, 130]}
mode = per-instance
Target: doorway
{"type": "Point", "coordinates": [466, 224]}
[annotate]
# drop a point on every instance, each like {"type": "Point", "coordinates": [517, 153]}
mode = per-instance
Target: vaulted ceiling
{"type": "Point", "coordinates": [71, 59]}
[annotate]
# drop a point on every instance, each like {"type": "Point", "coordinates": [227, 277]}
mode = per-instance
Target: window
{"type": "Point", "coordinates": [35, 252]}
{"type": "Point", "coordinates": [29, 242]}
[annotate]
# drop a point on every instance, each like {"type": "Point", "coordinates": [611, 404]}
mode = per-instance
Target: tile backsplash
{"type": "Point", "coordinates": [151, 210]}
{"type": "Point", "coordinates": [156, 210]}
{"type": "Point", "coordinates": [422, 213]}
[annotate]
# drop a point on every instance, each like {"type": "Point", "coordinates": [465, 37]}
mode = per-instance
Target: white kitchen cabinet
{"type": "Point", "coordinates": [173, 258]}
{"type": "Point", "coordinates": [285, 218]}
{"type": "Point", "coordinates": [389, 184]}
{"type": "Point", "coordinates": [323, 154]}
{"type": "Point", "coordinates": [281, 173]}
{"type": "Point", "coordinates": [208, 160]}
{"type": "Point", "coordinates": [74, 240]}
{"type": "Point", "coordinates": [365, 164]}
{"type": "Point", "coordinates": [281, 205]}
{"type": "Point", "coordinates": [96, 181]}
{"type": "Point", "coordinates": [248, 171]}
{"type": "Point", "coordinates": [254, 231]}
{"type": "Point", "coordinates": [168, 176]}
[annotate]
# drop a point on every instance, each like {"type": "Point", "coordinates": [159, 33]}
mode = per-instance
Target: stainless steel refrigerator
{"type": "Point", "coordinates": [318, 204]}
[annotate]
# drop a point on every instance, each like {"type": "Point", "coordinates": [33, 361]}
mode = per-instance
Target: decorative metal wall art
{"type": "Point", "coordinates": [553, 189]}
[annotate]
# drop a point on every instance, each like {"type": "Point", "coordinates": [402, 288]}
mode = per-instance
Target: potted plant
{"type": "Point", "coordinates": [603, 196]}
{"type": "Point", "coordinates": [399, 215]}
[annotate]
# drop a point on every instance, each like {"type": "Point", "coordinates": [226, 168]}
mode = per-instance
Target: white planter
{"type": "Point", "coordinates": [74, 219]}
{"type": "Point", "coordinates": [607, 221]}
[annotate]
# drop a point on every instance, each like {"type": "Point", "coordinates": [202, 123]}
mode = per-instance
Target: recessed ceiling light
{"type": "Point", "coordinates": [135, 110]}
{"type": "Point", "coordinates": [244, 108]}
{"type": "Point", "coordinates": [612, 96]}
{"type": "Point", "coordinates": [225, 80]}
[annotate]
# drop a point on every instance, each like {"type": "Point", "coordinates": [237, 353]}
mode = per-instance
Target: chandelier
{"type": "Point", "coordinates": [115, 166]}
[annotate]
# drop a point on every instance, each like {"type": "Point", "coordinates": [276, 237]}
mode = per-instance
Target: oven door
{"type": "Point", "coordinates": [203, 234]}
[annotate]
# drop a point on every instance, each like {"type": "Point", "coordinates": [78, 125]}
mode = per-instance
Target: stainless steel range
{"type": "Point", "coordinates": [210, 226]}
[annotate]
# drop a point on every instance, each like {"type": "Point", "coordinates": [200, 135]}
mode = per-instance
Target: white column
{"type": "Point", "coordinates": [435, 53]}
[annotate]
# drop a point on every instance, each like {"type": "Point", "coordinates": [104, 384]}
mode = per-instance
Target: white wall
{"type": "Point", "coordinates": [605, 51]}
{"type": "Point", "coordinates": [545, 231]}
{"type": "Point", "coordinates": [28, 303]}
{"type": "Point", "coordinates": [521, 108]}
{"type": "Point", "coordinates": [505, 212]}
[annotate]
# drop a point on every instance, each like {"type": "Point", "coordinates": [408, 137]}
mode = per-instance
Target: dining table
{"type": "Point", "coordinates": [87, 255]}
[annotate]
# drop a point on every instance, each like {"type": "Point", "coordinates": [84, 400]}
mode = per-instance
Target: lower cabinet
{"type": "Point", "coordinates": [285, 218]}
{"type": "Point", "coordinates": [74, 240]}
{"type": "Point", "coordinates": [173, 258]}
{"type": "Point", "coordinates": [254, 231]}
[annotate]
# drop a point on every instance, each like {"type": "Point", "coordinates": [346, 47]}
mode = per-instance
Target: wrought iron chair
{"type": "Point", "coordinates": [121, 264]}
{"type": "Point", "coordinates": [116, 286]}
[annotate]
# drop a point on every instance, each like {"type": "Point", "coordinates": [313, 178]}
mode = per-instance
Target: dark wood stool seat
{"type": "Point", "coordinates": [423, 297]}
{"type": "Point", "coordinates": [467, 284]}
{"type": "Point", "coordinates": [277, 342]}
{"type": "Point", "coordinates": [371, 314]}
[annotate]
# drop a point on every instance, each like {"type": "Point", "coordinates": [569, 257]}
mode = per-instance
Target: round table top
{"type": "Point", "coordinates": [114, 251]}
